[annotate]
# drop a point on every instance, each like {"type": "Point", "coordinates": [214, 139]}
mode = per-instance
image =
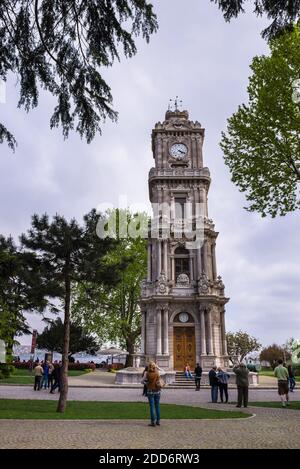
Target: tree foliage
{"type": "Point", "coordinates": [71, 254]}
{"type": "Point", "coordinates": [23, 288]}
{"type": "Point", "coordinates": [60, 46]}
{"type": "Point", "coordinates": [282, 13]}
{"type": "Point", "coordinates": [239, 344]}
{"type": "Point", "coordinates": [273, 353]}
{"type": "Point", "coordinates": [52, 338]}
{"type": "Point", "coordinates": [114, 313]}
{"type": "Point", "coordinates": [262, 144]}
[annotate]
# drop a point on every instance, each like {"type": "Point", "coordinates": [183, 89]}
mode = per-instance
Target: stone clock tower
{"type": "Point", "coordinates": [182, 302]}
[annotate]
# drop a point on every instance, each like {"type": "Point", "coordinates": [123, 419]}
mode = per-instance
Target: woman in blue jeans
{"type": "Point", "coordinates": [153, 394]}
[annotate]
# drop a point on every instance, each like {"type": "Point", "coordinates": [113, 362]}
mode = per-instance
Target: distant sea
{"type": "Point", "coordinates": [23, 352]}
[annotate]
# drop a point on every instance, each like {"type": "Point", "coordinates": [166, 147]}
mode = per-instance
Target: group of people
{"type": "Point", "coordinates": [47, 375]}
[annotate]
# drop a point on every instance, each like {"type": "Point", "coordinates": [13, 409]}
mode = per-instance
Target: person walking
{"type": "Point", "coordinates": [153, 394]}
{"type": "Point", "coordinates": [56, 377]}
{"type": "Point", "coordinates": [187, 371]}
{"type": "Point", "coordinates": [292, 381]}
{"type": "Point", "coordinates": [242, 382]}
{"type": "Point", "coordinates": [282, 376]}
{"type": "Point", "coordinates": [214, 384]}
{"type": "Point", "coordinates": [223, 378]}
{"type": "Point", "coordinates": [198, 376]}
{"type": "Point", "coordinates": [38, 373]}
{"type": "Point", "coordinates": [144, 378]}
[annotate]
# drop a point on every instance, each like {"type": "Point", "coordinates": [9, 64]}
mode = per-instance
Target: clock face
{"type": "Point", "coordinates": [183, 317]}
{"type": "Point", "coordinates": [178, 150]}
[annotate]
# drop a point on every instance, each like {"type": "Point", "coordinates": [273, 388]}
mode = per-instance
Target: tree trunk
{"type": "Point", "coordinates": [62, 402]}
{"type": "Point", "coordinates": [130, 350]}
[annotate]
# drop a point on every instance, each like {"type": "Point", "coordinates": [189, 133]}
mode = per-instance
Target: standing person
{"type": "Point", "coordinates": [214, 384]}
{"type": "Point", "coordinates": [45, 378]}
{"type": "Point", "coordinates": [242, 382]}
{"type": "Point", "coordinates": [223, 378]}
{"type": "Point", "coordinates": [292, 381]}
{"type": "Point", "coordinates": [282, 376]}
{"type": "Point", "coordinates": [144, 375]}
{"type": "Point", "coordinates": [50, 375]}
{"type": "Point", "coordinates": [187, 371]}
{"type": "Point", "coordinates": [198, 376]}
{"type": "Point", "coordinates": [153, 394]}
{"type": "Point", "coordinates": [38, 373]}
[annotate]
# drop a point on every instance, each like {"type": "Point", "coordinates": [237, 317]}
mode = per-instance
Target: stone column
{"type": "Point", "coordinates": [199, 152]}
{"type": "Point", "coordinates": [166, 331]}
{"type": "Point", "coordinates": [214, 264]}
{"type": "Point", "coordinates": [159, 151]}
{"type": "Point", "coordinates": [202, 331]}
{"type": "Point", "coordinates": [210, 336]}
{"type": "Point", "coordinates": [194, 154]}
{"type": "Point", "coordinates": [158, 257]}
{"type": "Point", "coordinates": [223, 333]}
{"type": "Point", "coordinates": [191, 267]}
{"type": "Point", "coordinates": [149, 261]}
{"type": "Point", "coordinates": [158, 331]}
{"type": "Point", "coordinates": [143, 338]}
{"type": "Point", "coordinates": [199, 266]}
{"type": "Point", "coordinates": [205, 269]}
{"type": "Point", "coordinates": [209, 259]}
{"type": "Point", "coordinates": [165, 151]}
{"type": "Point", "coordinates": [166, 258]}
{"type": "Point", "coordinates": [172, 269]}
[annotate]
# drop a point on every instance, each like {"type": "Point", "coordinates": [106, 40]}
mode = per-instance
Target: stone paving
{"type": "Point", "coordinates": [268, 428]}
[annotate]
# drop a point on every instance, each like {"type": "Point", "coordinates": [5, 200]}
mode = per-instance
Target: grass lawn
{"type": "Point", "coordinates": [271, 373]}
{"type": "Point", "coordinates": [30, 409]}
{"type": "Point", "coordinates": [25, 377]}
{"type": "Point", "coordinates": [277, 404]}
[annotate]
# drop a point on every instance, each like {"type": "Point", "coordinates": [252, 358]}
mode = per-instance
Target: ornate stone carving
{"type": "Point", "coordinates": [162, 285]}
{"type": "Point", "coordinates": [220, 285]}
{"type": "Point", "coordinates": [183, 280]}
{"type": "Point", "coordinates": [204, 284]}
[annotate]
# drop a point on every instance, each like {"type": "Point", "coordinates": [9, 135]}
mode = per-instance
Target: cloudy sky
{"type": "Point", "coordinates": [205, 61]}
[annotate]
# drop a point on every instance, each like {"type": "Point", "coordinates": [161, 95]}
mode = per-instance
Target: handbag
{"type": "Point", "coordinates": [159, 383]}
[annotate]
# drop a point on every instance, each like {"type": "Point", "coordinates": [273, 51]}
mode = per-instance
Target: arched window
{"type": "Point", "coordinates": [181, 261]}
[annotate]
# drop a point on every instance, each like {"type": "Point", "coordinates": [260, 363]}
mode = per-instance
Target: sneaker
{"type": "Point", "coordinates": [158, 423]}
{"type": "Point", "coordinates": [238, 406]}
{"type": "Point", "coordinates": [151, 424]}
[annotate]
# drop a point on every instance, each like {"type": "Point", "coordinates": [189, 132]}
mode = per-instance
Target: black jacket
{"type": "Point", "coordinates": [198, 372]}
{"type": "Point", "coordinates": [213, 380]}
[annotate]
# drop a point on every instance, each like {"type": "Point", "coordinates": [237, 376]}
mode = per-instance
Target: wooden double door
{"type": "Point", "coordinates": [184, 347]}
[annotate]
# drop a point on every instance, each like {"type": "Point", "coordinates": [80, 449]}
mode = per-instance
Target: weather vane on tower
{"type": "Point", "coordinates": [176, 103]}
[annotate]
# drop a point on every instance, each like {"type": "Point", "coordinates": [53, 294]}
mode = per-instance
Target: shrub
{"type": "Point", "coordinates": [5, 370]}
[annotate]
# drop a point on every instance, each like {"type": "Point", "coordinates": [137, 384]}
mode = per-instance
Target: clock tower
{"type": "Point", "coordinates": [182, 301]}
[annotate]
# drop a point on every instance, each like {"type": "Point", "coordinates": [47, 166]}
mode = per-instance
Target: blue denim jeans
{"type": "Point", "coordinates": [188, 374]}
{"type": "Point", "coordinates": [153, 398]}
{"type": "Point", "coordinates": [214, 393]}
{"type": "Point", "coordinates": [292, 383]}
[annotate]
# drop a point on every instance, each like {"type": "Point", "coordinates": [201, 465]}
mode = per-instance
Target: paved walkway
{"type": "Point", "coordinates": [269, 428]}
